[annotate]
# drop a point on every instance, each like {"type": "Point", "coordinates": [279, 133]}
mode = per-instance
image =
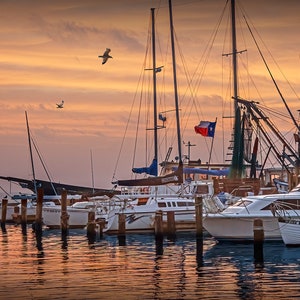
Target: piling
{"type": "Point", "coordinates": [171, 226]}
{"type": "Point", "coordinates": [3, 214]}
{"type": "Point", "coordinates": [158, 225]}
{"type": "Point", "coordinates": [39, 211]}
{"type": "Point", "coordinates": [199, 216]}
{"type": "Point", "coordinates": [258, 236]}
{"type": "Point", "coordinates": [122, 224]}
{"type": "Point", "coordinates": [101, 224]}
{"type": "Point", "coordinates": [64, 217]}
{"type": "Point", "coordinates": [24, 215]}
{"type": "Point", "coordinates": [91, 227]}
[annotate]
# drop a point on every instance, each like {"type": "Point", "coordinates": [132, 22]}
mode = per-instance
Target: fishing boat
{"type": "Point", "coordinates": [236, 221]}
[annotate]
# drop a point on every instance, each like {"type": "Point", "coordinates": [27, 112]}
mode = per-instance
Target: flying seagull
{"type": "Point", "coordinates": [105, 56]}
{"type": "Point", "coordinates": [61, 105]}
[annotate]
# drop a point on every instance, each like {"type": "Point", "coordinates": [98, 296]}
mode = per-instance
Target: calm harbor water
{"type": "Point", "coordinates": [52, 267]}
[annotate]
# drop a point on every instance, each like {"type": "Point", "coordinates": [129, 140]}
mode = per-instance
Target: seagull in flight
{"type": "Point", "coordinates": [60, 105]}
{"type": "Point", "coordinates": [105, 56]}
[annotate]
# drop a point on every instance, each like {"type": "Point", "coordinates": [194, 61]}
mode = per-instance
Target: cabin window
{"type": "Point", "coordinates": [202, 189]}
{"type": "Point", "coordinates": [162, 204]}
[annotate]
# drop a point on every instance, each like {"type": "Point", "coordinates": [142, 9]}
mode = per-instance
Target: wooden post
{"type": "Point", "coordinates": [39, 210]}
{"type": "Point", "coordinates": [91, 227]}
{"type": "Point", "coordinates": [258, 235]}
{"type": "Point", "coordinates": [158, 230]}
{"type": "Point", "coordinates": [64, 217]}
{"type": "Point", "coordinates": [171, 226]}
{"type": "Point", "coordinates": [3, 214]}
{"type": "Point", "coordinates": [122, 224]}
{"type": "Point", "coordinates": [199, 216]}
{"type": "Point", "coordinates": [101, 227]}
{"type": "Point", "coordinates": [158, 226]}
{"type": "Point", "coordinates": [24, 215]}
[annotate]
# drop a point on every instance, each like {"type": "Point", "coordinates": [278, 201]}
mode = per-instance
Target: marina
{"type": "Point", "coordinates": [218, 221]}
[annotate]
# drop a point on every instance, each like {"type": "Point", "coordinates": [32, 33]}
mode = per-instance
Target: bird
{"type": "Point", "coordinates": [105, 56]}
{"type": "Point", "coordinates": [61, 105]}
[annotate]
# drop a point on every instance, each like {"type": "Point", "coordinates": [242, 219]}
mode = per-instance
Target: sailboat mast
{"type": "Point", "coordinates": [234, 53]}
{"type": "Point", "coordinates": [175, 82]}
{"type": "Point", "coordinates": [31, 157]}
{"type": "Point", "coordinates": [154, 87]}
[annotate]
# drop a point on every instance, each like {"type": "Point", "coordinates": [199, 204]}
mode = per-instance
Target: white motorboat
{"type": "Point", "coordinates": [290, 230]}
{"type": "Point", "coordinates": [141, 205]}
{"type": "Point", "coordinates": [236, 221]}
{"type": "Point", "coordinates": [77, 212]}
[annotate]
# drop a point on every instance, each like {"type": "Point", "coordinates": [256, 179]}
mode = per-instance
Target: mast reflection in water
{"type": "Point", "coordinates": [74, 267]}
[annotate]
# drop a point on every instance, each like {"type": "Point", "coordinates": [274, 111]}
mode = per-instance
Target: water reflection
{"type": "Point", "coordinates": [55, 266]}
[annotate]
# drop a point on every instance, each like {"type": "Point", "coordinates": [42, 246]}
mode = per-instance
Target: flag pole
{"type": "Point", "coordinates": [211, 147]}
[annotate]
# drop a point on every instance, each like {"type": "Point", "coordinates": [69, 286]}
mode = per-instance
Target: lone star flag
{"type": "Point", "coordinates": [206, 128]}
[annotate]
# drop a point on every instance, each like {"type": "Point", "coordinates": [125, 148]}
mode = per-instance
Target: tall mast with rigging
{"type": "Point", "coordinates": [175, 83]}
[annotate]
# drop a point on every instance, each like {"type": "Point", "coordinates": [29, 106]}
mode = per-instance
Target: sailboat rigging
{"type": "Point", "coordinates": [176, 176]}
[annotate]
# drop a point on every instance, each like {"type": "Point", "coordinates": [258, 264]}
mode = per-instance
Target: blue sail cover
{"type": "Point", "coordinates": [223, 172]}
{"type": "Point", "coordinates": [151, 170]}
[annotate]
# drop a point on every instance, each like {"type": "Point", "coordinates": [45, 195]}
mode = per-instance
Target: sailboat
{"type": "Point", "coordinates": [167, 192]}
{"type": "Point", "coordinates": [236, 222]}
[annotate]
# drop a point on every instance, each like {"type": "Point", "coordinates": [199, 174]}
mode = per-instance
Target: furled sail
{"type": "Point", "coordinates": [174, 177]}
{"type": "Point", "coordinates": [151, 170]}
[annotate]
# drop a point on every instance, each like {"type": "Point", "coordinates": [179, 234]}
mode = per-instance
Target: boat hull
{"type": "Point", "coordinates": [78, 218]}
{"type": "Point", "coordinates": [240, 227]}
{"type": "Point", "coordinates": [290, 231]}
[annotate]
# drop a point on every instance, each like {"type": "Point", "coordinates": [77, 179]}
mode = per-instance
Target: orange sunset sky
{"type": "Point", "coordinates": [49, 53]}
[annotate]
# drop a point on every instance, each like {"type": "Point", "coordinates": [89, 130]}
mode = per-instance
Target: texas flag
{"type": "Point", "coordinates": [206, 128]}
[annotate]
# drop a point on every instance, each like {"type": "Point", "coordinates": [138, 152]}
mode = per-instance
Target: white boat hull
{"type": "Point", "coordinates": [240, 227]}
{"type": "Point", "coordinates": [290, 231]}
{"type": "Point", "coordinates": [137, 218]}
{"type": "Point", "coordinates": [78, 218]}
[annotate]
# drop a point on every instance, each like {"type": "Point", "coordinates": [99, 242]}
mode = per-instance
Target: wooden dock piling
{"type": "Point", "coordinates": [91, 227]}
{"type": "Point", "coordinates": [199, 216]}
{"type": "Point", "coordinates": [101, 224]}
{"type": "Point", "coordinates": [64, 218]}
{"type": "Point", "coordinates": [171, 226]}
{"type": "Point", "coordinates": [24, 215]}
{"type": "Point", "coordinates": [39, 210]}
{"type": "Point", "coordinates": [3, 214]}
{"type": "Point", "coordinates": [258, 236]}
{"type": "Point", "coordinates": [122, 224]}
{"type": "Point", "coordinates": [158, 225]}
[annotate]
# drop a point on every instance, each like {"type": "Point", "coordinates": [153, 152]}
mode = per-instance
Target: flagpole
{"type": "Point", "coordinates": [211, 147]}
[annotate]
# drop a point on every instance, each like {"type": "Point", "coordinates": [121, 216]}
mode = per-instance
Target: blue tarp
{"type": "Point", "coordinates": [151, 170]}
{"type": "Point", "coordinates": [223, 172]}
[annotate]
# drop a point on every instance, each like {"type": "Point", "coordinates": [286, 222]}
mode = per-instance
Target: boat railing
{"type": "Point", "coordinates": [283, 211]}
